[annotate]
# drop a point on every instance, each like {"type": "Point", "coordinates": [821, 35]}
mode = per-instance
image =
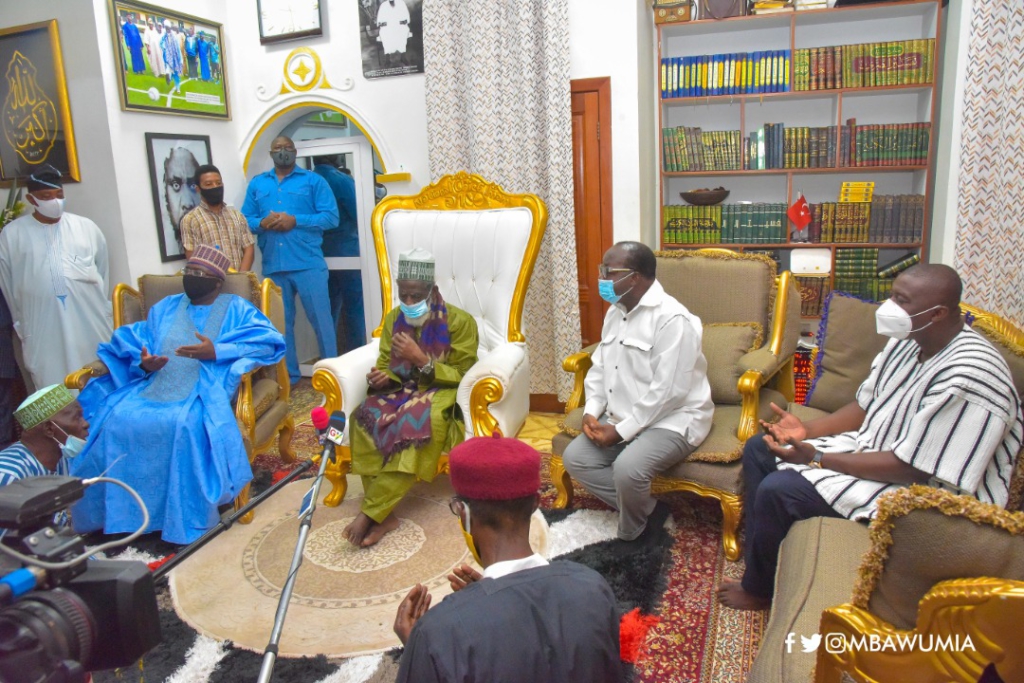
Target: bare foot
{"type": "Point", "coordinates": [355, 532]}
{"type": "Point", "coordinates": [377, 532]}
{"type": "Point", "coordinates": [731, 594]}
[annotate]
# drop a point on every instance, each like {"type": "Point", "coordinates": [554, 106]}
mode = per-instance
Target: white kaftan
{"type": "Point", "coordinates": [55, 280]}
{"type": "Point", "coordinates": [393, 23]}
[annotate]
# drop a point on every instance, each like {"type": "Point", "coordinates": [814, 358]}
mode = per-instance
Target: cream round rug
{"type": "Point", "coordinates": [345, 598]}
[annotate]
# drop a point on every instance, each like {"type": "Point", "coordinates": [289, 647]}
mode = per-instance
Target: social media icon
{"type": "Point", "coordinates": [811, 644]}
{"type": "Point", "coordinates": [835, 643]}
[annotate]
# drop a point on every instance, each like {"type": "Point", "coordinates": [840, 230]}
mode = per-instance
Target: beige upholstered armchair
{"type": "Point", "coordinates": [932, 565]}
{"type": "Point", "coordinates": [751, 319]}
{"type": "Point", "coordinates": [261, 407]}
{"type": "Point", "coordinates": [485, 243]}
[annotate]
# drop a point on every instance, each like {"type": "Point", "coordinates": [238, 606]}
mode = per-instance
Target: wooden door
{"type": "Point", "coordinates": [592, 181]}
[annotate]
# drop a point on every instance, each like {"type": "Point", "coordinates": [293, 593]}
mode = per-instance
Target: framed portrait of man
{"type": "Point", "coordinates": [173, 162]}
{"type": "Point", "coordinates": [168, 62]}
{"type": "Point", "coordinates": [391, 37]}
{"type": "Point", "coordinates": [34, 112]}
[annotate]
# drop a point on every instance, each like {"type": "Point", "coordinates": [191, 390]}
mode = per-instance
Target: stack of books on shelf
{"type": "Point", "coordinates": [811, 4]}
{"type": "Point", "coordinates": [724, 224]}
{"type": "Point", "coordinates": [857, 273]}
{"type": "Point", "coordinates": [813, 292]}
{"type": "Point", "coordinates": [805, 147]}
{"type": "Point", "coordinates": [839, 222]}
{"type": "Point", "coordinates": [737, 73]}
{"type": "Point", "coordinates": [890, 144]}
{"type": "Point", "coordinates": [865, 65]}
{"type": "Point", "coordinates": [771, 6]}
{"type": "Point", "coordinates": [896, 219]}
{"type": "Point", "coordinates": [691, 149]}
{"type": "Point", "coordinates": [894, 268]}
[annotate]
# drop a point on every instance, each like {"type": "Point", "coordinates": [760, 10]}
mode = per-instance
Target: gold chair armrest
{"type": "Point", "coordinates": [79, 378]}
{"type": "Point", "coordinates": [327, 384]}
{"type": "Point", "coordinates": [126, 302]}
{"type": "Point", "coordinates": [486, 391]}
{"type": "Point", "coordinates": [578, 364]}
{"type": "Point", "coordinates": [962, 626]}
{"type": "Point", "coordinates": [245, 411]}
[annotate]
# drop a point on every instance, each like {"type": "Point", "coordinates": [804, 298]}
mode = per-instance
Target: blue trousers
{"type": "Point", "coordinates": [773, 501]}
{"type": "Point", "coordinates": [311, 286]}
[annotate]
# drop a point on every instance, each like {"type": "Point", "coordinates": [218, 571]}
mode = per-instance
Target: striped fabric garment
{"type": "Point", "coordinates": [956, 416]}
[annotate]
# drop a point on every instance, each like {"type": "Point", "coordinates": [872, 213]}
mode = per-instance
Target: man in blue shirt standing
{"type": "Point", "coordinates": [288, 208]}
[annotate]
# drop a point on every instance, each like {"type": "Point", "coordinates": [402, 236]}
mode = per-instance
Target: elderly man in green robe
{"type": "Point", "coordinates": [410, 416]}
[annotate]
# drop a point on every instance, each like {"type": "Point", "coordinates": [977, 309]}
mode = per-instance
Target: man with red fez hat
{"type": "Point", "coordinates": [162, 416]}
{"type": "Point", "coordinates": [522, 619]}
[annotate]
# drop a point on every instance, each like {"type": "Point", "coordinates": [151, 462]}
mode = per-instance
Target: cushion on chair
{"type": "Point", "coordinates": [156, 287]}
{"type": "Point", "coordinates": [817, 570]}
{"type": "Point", "coordinates": [267, 424]}
{"type": "Point", "coordinates": [724, 476]}
{"type": "Point", "coordinates": [922, 536]}
{"type": "Point", "coordinates": [464, 245]}
{"type": "Point", "coordinates": [723, 345]}
{"type": "Point", "coordinates": [264, 393]}
{"type": "Point", "coordinates": [847, 343]}
{"type": "Point", "coordinates": [720, 288]}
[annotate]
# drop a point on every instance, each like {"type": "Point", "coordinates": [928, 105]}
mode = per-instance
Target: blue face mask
{"type": "Point", "coordinates": [72, 445]}
{"type": "Point", "coordinates": [606, 288]}
{"type": "Point", "coordinates": [414, 311]}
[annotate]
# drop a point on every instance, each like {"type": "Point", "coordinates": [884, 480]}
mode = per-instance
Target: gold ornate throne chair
{"type": "Point", "coordinates": [751, 319]}
{"type": "Point", "coordinates": [261, 406]}
{"type": "Point", "coordinates": [485, 242]}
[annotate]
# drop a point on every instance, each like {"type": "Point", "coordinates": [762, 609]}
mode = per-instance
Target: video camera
{"type": "Point", "coordinates": [62, 614]}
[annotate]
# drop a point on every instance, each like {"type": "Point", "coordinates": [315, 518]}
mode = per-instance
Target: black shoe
{"type": "Point", "coordinates": [657, 518]}
{"type": "Point", "coordinates": [655, 522]}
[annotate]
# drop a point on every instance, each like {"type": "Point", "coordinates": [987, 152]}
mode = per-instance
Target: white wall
{"type": "Point", "coordinates": [613, 38]}
{"type": "Point", "coordinates": [957, 28]}
{"type": "Point", "coordinates": [94, 197]}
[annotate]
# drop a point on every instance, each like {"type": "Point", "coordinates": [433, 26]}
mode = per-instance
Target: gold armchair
{"type": "Point", "coordinates": [261, 406]}
{"type": "Point", "coordinates": [739, 299]}
{"type": "Point", "coordinates": [485, 242]}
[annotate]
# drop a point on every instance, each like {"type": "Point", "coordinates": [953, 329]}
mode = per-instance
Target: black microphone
{"type": "Point", "coordinates": [335, 433]}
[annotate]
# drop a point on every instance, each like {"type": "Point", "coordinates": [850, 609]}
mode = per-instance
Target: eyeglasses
{"type": "Point", "coordinates": [604, 271]}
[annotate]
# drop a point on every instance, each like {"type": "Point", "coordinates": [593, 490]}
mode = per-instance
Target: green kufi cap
{"type": "Point", "coordinates": [42, 405]}
{"type": "Point", "coordinates": [416, 264]}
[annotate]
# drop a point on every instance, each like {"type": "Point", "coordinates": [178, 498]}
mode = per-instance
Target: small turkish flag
{"type": "Point", "coordinates": [800, 213]}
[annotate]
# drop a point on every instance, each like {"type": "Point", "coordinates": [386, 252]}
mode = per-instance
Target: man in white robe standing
{"type": "Point", "coordinates": [393, 24]}
{"type": "Point", "coordinates": [152, 41]}
{"type": "Point", "coordinates": [53, 273]}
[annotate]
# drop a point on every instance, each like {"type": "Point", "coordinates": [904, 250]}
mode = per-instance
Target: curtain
{"type": "Point", "coordinates": [990, 235]}
{"type": "Point", "coordinates": [499, 104]}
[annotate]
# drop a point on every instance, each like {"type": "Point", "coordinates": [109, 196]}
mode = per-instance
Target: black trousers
{"type": "Point", "coordinates": [773, 500]}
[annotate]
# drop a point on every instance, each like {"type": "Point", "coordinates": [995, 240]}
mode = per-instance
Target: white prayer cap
{"type": "Point", "coordinates": [416, 264]}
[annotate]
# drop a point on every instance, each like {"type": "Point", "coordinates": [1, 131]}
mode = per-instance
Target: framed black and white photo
{"type": "Point", "coordinates": [282, 20]}
{"type": "Point", "coordinates": [391, 37]}
{"type": "Point", "coordinates": [173, 161]}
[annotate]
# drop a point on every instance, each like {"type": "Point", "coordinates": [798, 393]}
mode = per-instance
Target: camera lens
{"type": "Point", "coordinates": [56, 622]}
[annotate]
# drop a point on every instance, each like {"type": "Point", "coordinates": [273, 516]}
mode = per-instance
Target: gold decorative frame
{"type": "Point", "coordinates": [62, 105]}
{"type": "Point", "coordinates": [463, 192]}
{"type": "Point", "coordinates": [115, 6]}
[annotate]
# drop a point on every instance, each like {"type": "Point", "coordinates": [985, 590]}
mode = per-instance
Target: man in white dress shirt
{"type": "Point", "coordinates": [648, 398]}
{"type": "Point", "coordinates": [53, 273]}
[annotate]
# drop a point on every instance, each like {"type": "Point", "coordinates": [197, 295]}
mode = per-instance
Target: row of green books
{"type": "Point", "coordinates": [870, 288]}
{"type": "Point", "coordinates": [890, 144]}
{"type": "Point", "coordinates": [865, 65]}
{"type": "Point", "coordinates": [805, 147]}
{"type": "Point", "coordinates": [691, 149]}
{"type": "Point", "coordinates": [762, 223]}
{"type": "Point", "coordinates": [856, 262]}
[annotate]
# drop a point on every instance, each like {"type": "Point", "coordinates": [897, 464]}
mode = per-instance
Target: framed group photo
{"type": "Point", "coordinates": [173, 162]}
{"type": "Point", "coordinates": [34, 112]}
{"type": "Point", "coordinates": [168, 62]}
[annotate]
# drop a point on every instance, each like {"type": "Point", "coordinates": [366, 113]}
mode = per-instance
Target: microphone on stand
{"type": "Point", "coordinates": [320, 420]}
{"type": "Point", "coordinates": [335, 432]}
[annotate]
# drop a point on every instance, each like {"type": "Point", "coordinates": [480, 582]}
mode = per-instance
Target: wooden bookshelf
{"type": "Point", "coordinates": [887, 105]}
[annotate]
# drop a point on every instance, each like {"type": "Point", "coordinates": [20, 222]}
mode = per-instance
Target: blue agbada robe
{"type": "Point", "coordinates": [176, 427]}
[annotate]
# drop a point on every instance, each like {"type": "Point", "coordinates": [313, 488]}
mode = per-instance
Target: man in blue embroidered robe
{"type": "Point", "coordinates": [162, 418]}
{"type": "Point", "coordinates": [410, 416]}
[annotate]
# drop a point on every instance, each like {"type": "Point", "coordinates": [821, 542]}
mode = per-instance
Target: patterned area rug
{"type": "Point", "coordinates": [695, 640]}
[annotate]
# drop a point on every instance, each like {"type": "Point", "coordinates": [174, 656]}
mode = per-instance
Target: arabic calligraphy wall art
{"type": "Point", "coordinates": [168, 62]}
{"type": "Point", "coordinates": [35, 120]}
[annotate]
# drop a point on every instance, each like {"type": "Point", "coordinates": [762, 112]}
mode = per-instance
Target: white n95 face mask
{"type": "Point", "coordinates": [51, 208]}
{"type": "Point", "coordinates": [892, 321]}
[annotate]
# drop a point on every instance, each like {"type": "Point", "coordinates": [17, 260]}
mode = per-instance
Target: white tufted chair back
{"type": "Point", "coordinates": [478, 256]}
{"type": "Point", "coordinates": [484, 242]}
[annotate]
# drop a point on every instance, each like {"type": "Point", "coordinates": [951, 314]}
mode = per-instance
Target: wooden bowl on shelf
{"type": "Point", "coordinates": [705, 197]}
